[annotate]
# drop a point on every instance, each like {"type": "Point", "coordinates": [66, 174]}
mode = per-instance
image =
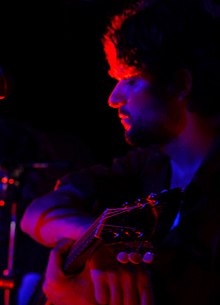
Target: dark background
{"type": "Point", "coordinates": [52, 54]}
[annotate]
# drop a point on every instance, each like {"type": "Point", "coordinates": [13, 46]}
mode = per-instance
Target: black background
{"type": "Point", "coordinates": [52, 54]}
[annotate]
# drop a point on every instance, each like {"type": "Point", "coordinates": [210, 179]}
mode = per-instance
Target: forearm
{"type": "Point", "coordinates": [53, 217]}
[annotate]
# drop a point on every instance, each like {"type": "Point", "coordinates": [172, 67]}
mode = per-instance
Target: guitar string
{"type": "Point", "coordinates": [100, 223]}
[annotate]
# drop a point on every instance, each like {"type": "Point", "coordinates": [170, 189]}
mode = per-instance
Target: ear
{"type": "Point", "coordinates": [183, 83]}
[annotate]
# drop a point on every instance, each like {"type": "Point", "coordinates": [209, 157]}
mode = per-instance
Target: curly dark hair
{"type": "Point", "coordinates": [163, 36]}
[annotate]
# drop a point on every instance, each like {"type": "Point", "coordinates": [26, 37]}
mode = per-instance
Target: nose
{"type": "Point", "coordinates": [117, 98]}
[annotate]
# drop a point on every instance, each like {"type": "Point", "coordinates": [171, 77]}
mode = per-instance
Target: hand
{"type": "Point", "coordinates": [66, 290]}
{"type": "Point", "coordinates": [119, 284]}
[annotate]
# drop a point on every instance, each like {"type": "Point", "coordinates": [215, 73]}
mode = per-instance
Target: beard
{"type": "Point", "coordinates": [147, 136]}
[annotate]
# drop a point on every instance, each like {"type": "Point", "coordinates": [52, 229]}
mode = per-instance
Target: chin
{"type": "Point", "coordinates": [141, 140]}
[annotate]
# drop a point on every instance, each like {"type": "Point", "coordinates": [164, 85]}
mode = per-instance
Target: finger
{"type": "Point", "coordinates": [55, 261]}
{"type": "Point", "coordinates": [145, 288]}
{"type": "Point", "coordinates": [147, 297]}
{"type": "Point", "coordinates": [130, 290]}
{"type": "Point", "coordinates": [54, 268]}
{"type": "Point", "coordinates": [63, 246]}
{"type": "Point", "coordinates": [115, 288]}
{"type": "Point", "coordinates": [100, 286]}
{"type": "Point", "coordinates": [54, 265]}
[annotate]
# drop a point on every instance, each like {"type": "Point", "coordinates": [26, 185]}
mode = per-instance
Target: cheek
{"type": "Point", "coordinates": [145, 114]}
{"type": "Point", "coordinates": [143, 104]}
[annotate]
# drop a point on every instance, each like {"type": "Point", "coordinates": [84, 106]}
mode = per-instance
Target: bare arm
{"type": "Point", "coordinates": [53, 217]}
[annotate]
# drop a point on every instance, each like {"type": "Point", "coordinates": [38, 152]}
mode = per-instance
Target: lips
{"type": "Point", "coordinates": [125, 121]}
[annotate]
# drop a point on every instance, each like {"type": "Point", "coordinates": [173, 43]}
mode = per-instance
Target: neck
{"type": "Point", "coordinates": [189, 149]}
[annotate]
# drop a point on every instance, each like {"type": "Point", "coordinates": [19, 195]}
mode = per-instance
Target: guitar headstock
{"type": "Point", "coordinates": [136, 228]}
{"type": "Point", "coordinates": [132, 230]}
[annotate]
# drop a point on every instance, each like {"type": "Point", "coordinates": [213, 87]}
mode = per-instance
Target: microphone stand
{"type": "Point", "coordinates": [9, 191]}
{"type": "Point", "coordinates": [9, 184]}
{"type": "Point", "coordinates": [8, 273]}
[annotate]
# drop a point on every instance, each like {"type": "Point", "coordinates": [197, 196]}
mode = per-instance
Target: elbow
{"type": "Point", "coordinates": [27, 223]}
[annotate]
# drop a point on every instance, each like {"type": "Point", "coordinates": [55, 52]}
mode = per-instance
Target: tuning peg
{"type": "Point", "coordinates": [148, 257]}
{"type": "Point", "coordinates": [135, 257]}
{"type": "Point", "coordinates": [122, 257]}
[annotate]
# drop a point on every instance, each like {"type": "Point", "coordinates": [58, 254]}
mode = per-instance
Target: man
{"type": "Point", "coordinates": [165, 57]}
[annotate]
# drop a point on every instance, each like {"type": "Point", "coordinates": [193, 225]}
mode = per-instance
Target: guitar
{"type": "Point", "coordinates": [132, 230]}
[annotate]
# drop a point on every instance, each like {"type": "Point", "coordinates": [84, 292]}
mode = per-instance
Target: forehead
{"type": "Point", "coordinates": [122, 71]}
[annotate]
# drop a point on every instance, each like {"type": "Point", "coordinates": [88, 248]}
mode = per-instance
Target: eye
{"type": "Point", "coordinates": [131, 81]}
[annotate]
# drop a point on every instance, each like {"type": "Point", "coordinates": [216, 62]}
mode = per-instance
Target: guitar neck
{"type": "Point", "coordinates": [83, 248]}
